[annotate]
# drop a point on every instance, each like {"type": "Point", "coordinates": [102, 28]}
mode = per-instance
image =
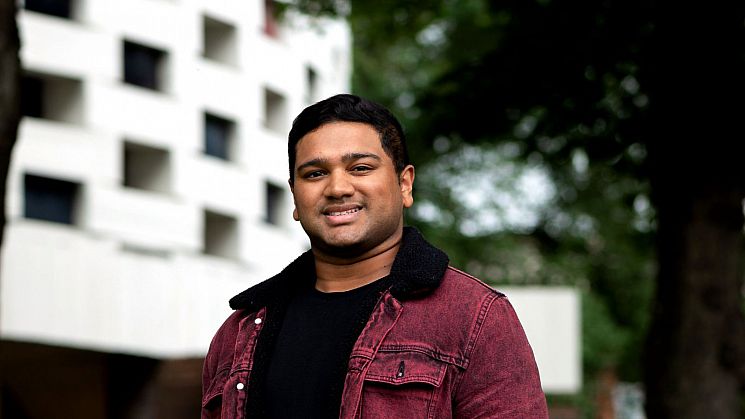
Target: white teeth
{"type": "Point", "coordinates": [334, 214]}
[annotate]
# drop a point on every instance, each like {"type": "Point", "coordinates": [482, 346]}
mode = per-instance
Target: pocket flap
{"type": "Point", "coordinates": [403, 367]}
{"type": "Point", "coordinates": [216, 387]}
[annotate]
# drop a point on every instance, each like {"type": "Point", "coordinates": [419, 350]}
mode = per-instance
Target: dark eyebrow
{"type": "Point", "coordinates": [312, 162]}
{"type": "Point", "coordinates": [357, 156]}
{"type": "Point", "coordinates": [345, 158]}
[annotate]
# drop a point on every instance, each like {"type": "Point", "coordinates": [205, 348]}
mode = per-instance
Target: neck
{"type": "Point", "coordinates": [335, 274]}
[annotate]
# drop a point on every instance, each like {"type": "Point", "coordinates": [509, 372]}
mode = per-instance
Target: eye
{"type": "Point", "coordinates": [361, 168]}
{"type": "Point", "coordinates": [313, 174]}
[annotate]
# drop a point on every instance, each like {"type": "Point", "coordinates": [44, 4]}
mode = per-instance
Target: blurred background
{"type": "Point", "coordinates": [582, 157]}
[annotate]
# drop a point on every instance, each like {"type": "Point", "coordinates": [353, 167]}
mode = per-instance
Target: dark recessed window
{"type": "Point", "coordinates": [60, 8]}
{"type": "Point", "coordinates": [143, 65]}
{"type": "Point", "coordinates": [218, 136]}
{"type": "Point", "coordinates": [311, 82]}
{"type": "Point", "coordinates": [49, 199]}
{"type": "Point", "coordinates": [275, 204]}
{"type": "Point", "coordinates": [32, 96]}
{"type": "Point", "coordinates": [220, 41]}
{"type": "Point", "coordinates": [52, 97]}
{"type": "Point", "coordinates": [275, 111]}
{"type": "Point", "coordinates": [147, 168]}
{"type": "Point", "coordinates": [220, 235]}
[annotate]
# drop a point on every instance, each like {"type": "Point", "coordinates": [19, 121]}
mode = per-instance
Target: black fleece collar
{"type": "Point", "coordinates": [417, 270]}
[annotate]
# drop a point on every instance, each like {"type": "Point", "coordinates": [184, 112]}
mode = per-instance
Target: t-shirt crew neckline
{"type": "Point", "coordinates": [354, 292]}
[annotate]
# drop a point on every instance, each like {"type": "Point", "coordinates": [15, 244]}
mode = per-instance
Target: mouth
{"type": "Point", "coordinates": [342, 214]}
{"type": "Point", "coordinates": [345, 212]}
{"type": "Point", "coordinates": [345, 209]}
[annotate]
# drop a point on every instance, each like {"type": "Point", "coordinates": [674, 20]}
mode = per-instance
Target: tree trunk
{"type": "Point", "coordinates": [697, 341]}
{"type": "Point", "coordinates": [10, 96]}
{"type": "Point", "coordinates": [695, 358]}
{"type": "Point", "coordinates": [10, 102]}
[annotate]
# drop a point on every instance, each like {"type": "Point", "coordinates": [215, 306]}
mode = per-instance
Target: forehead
{"type": "Point", "coordinates": [336, 139]}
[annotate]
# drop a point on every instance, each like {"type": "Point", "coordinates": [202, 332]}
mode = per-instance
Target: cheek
{"type": "Point", "coordinates": [303, 199]}
{"type": "Point", "coordinates": [395, 200]}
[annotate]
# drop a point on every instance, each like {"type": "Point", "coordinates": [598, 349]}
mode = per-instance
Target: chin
{"type": "Point", "coordinates": [344, 247]}
{"type": "Point", "coordinates": [346, 243]}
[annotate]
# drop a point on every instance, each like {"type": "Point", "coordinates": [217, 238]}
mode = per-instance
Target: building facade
{"type": "Point", "coordinates": [148, 185]}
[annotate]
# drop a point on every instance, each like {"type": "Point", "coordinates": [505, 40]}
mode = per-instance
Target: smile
{"type": "Point", "coordinates": [338, 213]}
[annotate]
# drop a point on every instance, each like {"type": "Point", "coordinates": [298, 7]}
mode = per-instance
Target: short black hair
{"type": "Point", "coordinates": [350, 108]}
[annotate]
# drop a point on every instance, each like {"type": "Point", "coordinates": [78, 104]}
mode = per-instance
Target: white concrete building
{"type": "Point", "coordinates": [148, 184]}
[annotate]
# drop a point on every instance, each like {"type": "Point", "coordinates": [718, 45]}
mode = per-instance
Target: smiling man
{"type": "Point", "coordinates": [372, 322]}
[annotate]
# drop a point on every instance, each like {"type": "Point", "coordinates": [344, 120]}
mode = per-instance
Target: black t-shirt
{"type": "Point", "coordinates": [305, 375]}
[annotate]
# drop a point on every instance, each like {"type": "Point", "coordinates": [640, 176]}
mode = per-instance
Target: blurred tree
{"type": "Point", "coordinates": [10, 99]}
{"type": "Point", "coordinates": [633, 109]}
{"type": "Point", "coordinates": [10, 96]}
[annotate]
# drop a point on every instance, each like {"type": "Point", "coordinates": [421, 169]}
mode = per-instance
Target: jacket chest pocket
{"type": "Point", "coordinates": [401, 384]}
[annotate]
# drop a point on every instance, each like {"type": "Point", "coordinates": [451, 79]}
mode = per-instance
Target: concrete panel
{"type": "Point", "coordinates": [551, 318]}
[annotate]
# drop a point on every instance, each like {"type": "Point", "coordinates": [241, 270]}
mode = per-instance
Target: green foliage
{"type": "Point", "coordinates": [603, 339]}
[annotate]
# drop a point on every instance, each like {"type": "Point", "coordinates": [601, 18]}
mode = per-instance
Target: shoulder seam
{"type": "Point", "coordinates": [478, 281]}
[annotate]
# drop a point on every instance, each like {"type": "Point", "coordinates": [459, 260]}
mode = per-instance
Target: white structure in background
{"type": "Point", "coordinates": [551, 318]}
{"type": "Point", "coordinates": [149, 182]}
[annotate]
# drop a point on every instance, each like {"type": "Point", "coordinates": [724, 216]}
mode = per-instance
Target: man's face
{"type": "Point", "coordinates": [347, 194]}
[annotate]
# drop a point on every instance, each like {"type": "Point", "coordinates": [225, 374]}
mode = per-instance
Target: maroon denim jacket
{"type": "Point", "coordinates": [439, 344]}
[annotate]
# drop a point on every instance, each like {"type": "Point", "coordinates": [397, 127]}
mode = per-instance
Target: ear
{"type": "Point", "coordinates": [406, 181]}
{"type": "Point", "coordinates": [295, 215]}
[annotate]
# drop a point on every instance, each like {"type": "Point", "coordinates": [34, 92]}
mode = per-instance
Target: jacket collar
{"type": "Point", "coordinates": [417, 270]}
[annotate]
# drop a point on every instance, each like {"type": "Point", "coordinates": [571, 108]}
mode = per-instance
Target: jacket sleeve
{"type": "Point", "coordinates": [501, 380]}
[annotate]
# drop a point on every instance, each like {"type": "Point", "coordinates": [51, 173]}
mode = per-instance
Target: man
{"type": "Point", "coordinates": [371, 322]}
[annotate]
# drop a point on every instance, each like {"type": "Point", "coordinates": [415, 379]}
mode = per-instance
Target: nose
{"type": "Point", "coordinates": [338, 185]}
